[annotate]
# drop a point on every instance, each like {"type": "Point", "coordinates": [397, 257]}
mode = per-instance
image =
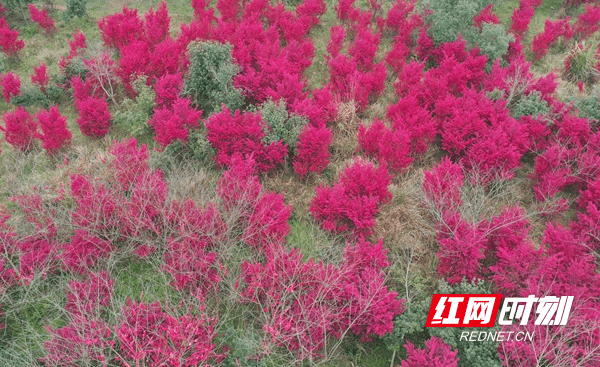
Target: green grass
{"type": "Point", "coordinates": [314, 242]}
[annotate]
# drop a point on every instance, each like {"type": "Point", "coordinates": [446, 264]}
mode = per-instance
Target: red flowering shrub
{"type": "Point", "coordinates": [401, 18]}
{"type": "Point", "coordinates": [89, 297]}
{"type": "Point", "coordinates": [587, 226]}
{"type": "Point", "coordinates": [19, 129]}
{"type": "Point", "coordinates": [367, 300]}
{"type": "Point", "coordinates": [42, 18]}
{"type": "Point", "coordinates": [133, 62]}
{"type": "Point", "coordinates": [150, 336]}
{"type": "Point", "coordinates": [193, 268]}
{"type": "Point", "coordinates": [338, 34]}
{"type": "Point", "coordinates": [305, 304]}
{"type": "Point", "coordinates": [173, 122]}
{"type": "Point", "coordinates": [37, 258]}
{"type": "Point", "coordinates": [461, 248]}
{"type": "Point", "coordinates": [157, 24]}
{"type": "Point", "coordinates": [522, 15]}
{"type": "Point", "coordinates": [552, 32]}
{"type": "Point", "coordinates": [167, 89]}
{"type": "Point", "coordinates": [11, 86]}
{"type": "Point", "coordinates": [40, 77]}
{"type": "Point", "coordinates": [352, 84]}
{"type": "Point", "coordinates": [320, 109]}
{"type": "Point", "coordinates": [242, 133]}
{"type": "Point", "coordinates": [442, 186]}
{"type": "Point", "coordinates": [87, 337]}
{"type": "Point", "coordinates": [389, 146]}
{"type": "Point", "coordinates": [81, 90]}
{"type": "Point", "coordinates": [131, 201]}
{"type": "Point", "coordinates": [518, 75]}
{"type": "Point", "coordinates": [146, 207]}
{"type": "Point", "coordinates": [190, 261]}
{"type": "Point", "coordinates": [345, 10]}
{"type": "Point", "coordinates": [553, 172]}
{"type": "Point", "coordinates": [415, 121]}
{"type": "Point", "coordinates": [436, 354]}
{"type": "Point", "coordinates": [101, 75]}
{"type": "Point", "coordinates": [482, 134]}
{"type": "Point", "coordinates": [9, 41]}
{"type": "Point", "coordinates": [485, 16]}
{"type": "Point", "coordinates": [98, 208]}
{"type": "Point", "coordinates": [78, 43]}
{"type": "Point", "coordinates": [352, 203]}
{"type": "Point", "coordinates": [164, 59]}
{"type": "Point", "coordinates": [564, 266]}
{"type": "Point", "coordinates": [587, 23]}
{"type": "Point", "coordinates": [312, 150]}
{"type": "Point", "coordinates": [94, 117]}
{"type": "Point", "coordinates": [239, 187]}
{"type": "Point", "coordinates": [511, 252]}
{"type": "Point", "coordinates": [84, 251]}
{"type": "Point", "coordinates": [311, 10]}
{"type": "Point", "coordinates": [355, 76]}
{"type": "Point", "coordinates": [129, 163]}
{"type": "Point", "coordinates": [261, 215]}
{"type": "Point", "coordinates": [268, 222]}
{"type": "Point", "coordinates": [121, 29]}
{"type": "Point", "coordinates": [459, 69]}
{"type": "Point", "coordinates": [55, 134]}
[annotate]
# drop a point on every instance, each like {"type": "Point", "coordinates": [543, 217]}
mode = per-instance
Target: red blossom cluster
{"type": "Point", "coordinates": [9, 39]}
{"type": "Point", "coordinates": [352, 203]}
{"type": "Point", "coordinates": [42, 18]}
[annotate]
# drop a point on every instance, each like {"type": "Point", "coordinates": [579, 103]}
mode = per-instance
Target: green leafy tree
{"type": "Point", "coordinates": [133, 114]}
{"type": "Point", "coordinates": [280, 125]}
{"type": "Point", "coordinates": [15, 5]}
{"type": "Point", "coordinates": [209, 82]}
{"type": "Point", "coordinates": [530, 105]}
{"type": "Point", "coordinates": [589, 107]}
{"type": "Point", "coordinates": [451, 18]}
{"type": "Point", "coordinates": [76, 8]}
{"type": "Point", "coordinates": [492, 39]}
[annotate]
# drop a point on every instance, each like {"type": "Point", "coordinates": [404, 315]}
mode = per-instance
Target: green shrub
{"type": "Point", "coordinates": [200, 147]}
{"type": "Point", "coordinates": [244, 346]}
{"type": "Point", "coordinates": [31, 96]}
{"type": "Point", "coordinates": [75, 67]}
{"type": "Point", "coordinates": [197, 151]}
{"type": "Point", "coordinates": [589, 107]}
{"type": "Point", "coordinates": [492, 39]}
{"type": "Point", "coordinates": [209, 82]}
{"type": "Point", "coordinates": [281, 125]}
{"type": "Point", "coordinates": [3, 60]}
{"type": "Point", "coordinates": [530, 105]}
{"type": "Point", "coordinates": [75, 8]}
{"type": "Point", "coordinates": [133, 115]}
{"type": "Point", "coordinates": [453, 17]}
{"type": "Point", "coordinates": [15, 5]}
{"type": "Point", "coordinates": [410, 325]}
